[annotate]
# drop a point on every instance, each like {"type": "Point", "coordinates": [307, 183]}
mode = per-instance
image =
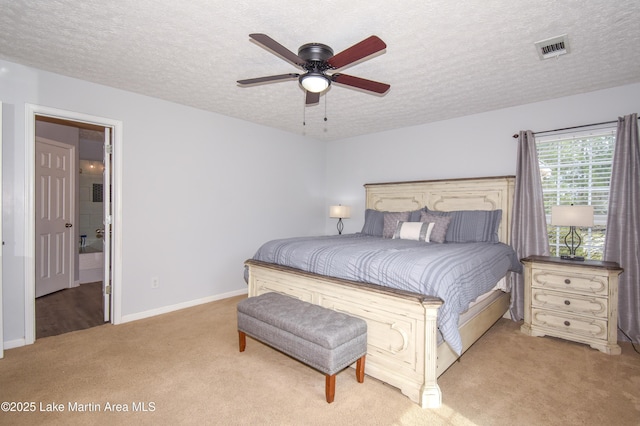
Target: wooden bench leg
{"type": "Point", "coordinates": [330, 387]}
{"type": "Point", "coordinates": [330, 381]}
{"type": "Point", "coordinates": [242, 341]}
{"type": "Point", "coordinates": [360, 369]}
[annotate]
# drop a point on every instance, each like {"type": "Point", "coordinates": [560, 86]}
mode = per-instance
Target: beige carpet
{"type": "Point", "coordinates": [185, 368]}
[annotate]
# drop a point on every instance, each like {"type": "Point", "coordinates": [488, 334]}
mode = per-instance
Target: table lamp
{"type": "Point", "coordinates": [340, 212]}
{"type": "Point", "coordinates": [572, 216]}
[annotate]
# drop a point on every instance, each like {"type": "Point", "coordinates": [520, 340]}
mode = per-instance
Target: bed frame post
{"type": "Point", "coordinates": [430, 394]}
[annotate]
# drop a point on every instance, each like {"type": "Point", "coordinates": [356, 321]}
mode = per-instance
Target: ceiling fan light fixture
{"type": "Point", "coordinates": [314, 82]}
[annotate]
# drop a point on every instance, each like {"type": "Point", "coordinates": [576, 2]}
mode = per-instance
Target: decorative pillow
{"type": "Point", "coordinates": [373, 222]}
{"type": "Point", "coordinates": [391, 222]}
{"type": "Point", "coordinates": [441, 224]}
{"type": "Point", "coordinates": [472, 225]}
{"type": "Point", "coordinates": [414, 216]}
{"type": "Point", "coordinates": [417, 231]}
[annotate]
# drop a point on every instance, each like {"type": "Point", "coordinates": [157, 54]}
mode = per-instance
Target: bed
{"type": "Point", "coordinates": [403, 335]}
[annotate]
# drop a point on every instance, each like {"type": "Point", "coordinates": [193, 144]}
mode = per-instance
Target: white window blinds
{"type": "Point", "coordinates": [576, 169]}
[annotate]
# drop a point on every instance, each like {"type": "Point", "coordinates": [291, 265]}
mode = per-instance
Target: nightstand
{"type": "Point", "coordinates": [573, 300]}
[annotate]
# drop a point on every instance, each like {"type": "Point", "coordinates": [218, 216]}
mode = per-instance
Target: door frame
{"type": "Point", "coordinates": [2, 246]}
{"type": "Point", "coordinates": [31, 110]}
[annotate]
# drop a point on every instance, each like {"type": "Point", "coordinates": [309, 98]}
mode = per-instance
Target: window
{"type": "Point", "coordinates": [576, 169]}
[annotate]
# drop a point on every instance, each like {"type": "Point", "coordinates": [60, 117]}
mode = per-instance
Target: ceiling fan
{"type": "Point", "coordinates": [315, 59]}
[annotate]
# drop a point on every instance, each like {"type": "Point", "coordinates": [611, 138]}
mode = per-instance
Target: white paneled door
{"type": "Point", "coordinates": [54, 207]}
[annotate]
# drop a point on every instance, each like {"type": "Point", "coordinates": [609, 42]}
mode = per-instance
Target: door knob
{"type": "Point", "coordinates": [68, 225]}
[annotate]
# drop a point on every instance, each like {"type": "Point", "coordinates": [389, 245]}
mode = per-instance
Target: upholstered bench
{"type": "Point", "coordinates": [324, 339]}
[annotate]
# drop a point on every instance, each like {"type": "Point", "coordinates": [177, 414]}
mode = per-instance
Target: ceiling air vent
{"type": "Point", "coordinates": [552, 47]}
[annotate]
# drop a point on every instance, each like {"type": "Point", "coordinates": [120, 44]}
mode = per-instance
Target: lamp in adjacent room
{"type": "Point", "coordinates": [340, 212]}
{"type": "Point", "coordinates": [572, 216]}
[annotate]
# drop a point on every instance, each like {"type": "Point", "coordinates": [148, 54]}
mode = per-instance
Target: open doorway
{"type": "Point", "coordinates": [88, 228]}
{"type": "Point", "coordinates": [69, 223]}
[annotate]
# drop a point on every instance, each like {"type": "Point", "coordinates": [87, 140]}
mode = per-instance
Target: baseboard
{"type": "Point", "coordinates": [10, 344]}
{"type": "Point", "coordinates": [178, 306]}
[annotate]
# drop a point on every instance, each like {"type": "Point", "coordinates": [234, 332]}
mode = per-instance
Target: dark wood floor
{"type": "Point", "coordinates": [68, 310]}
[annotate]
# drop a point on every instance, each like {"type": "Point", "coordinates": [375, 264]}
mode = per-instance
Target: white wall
{"type": "Point", "coordinates": [471, 146]}
{"type": "Point", "coordinates": [201, 191]}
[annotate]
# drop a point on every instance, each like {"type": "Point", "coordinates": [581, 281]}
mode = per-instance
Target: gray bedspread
{"type": "Point", "coordinates": [455, 272]}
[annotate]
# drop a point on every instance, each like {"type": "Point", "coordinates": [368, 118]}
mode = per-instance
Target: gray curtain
{"type": "Point", "coordinates": [529, 223]}
{"type": "Point", "coordinates": [623, 225]}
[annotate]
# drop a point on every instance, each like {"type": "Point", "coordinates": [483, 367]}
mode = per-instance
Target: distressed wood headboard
{"type": "Point", "coordinates": [487, 193]}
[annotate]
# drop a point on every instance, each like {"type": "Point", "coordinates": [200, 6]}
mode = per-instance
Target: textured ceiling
{"type": "Point", "coordinates": [444, 58]}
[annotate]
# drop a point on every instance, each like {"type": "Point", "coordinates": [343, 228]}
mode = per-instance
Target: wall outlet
{"type": "Point", "coordinates": [155, 282]}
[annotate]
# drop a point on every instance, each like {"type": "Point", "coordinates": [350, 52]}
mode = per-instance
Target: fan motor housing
{"type": "Point", "coordinates": [315, 52]}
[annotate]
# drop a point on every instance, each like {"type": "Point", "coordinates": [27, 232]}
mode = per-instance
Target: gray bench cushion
{"type": "Point", "coordinates": [312, 323]}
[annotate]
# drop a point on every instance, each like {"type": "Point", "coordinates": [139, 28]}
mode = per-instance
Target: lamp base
{"type": "Point", "coordinates": [577, 258]}
{"type": "Point", "coordinates": [575, 240]}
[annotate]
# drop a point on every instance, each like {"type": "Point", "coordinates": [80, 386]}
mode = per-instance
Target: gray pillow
{"type": "Point", "coordinates": [373, 222]}
{"type": "Point", "coordinates": [472, 225]}
{"type": "Point", "coordinates": [441, 224]}
{"type": "Point", "coordinates": [391, 220]}
{"type": "Point", "coordinates": [415, 215]}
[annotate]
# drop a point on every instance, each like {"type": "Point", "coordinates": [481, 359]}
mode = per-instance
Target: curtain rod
{"type": "Point", "coordinates": [517, 135]}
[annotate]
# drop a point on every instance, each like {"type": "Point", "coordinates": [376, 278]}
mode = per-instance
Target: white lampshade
{"type": "Point", "coordinates": [572, 216]}
{"type": "Point", "coordinates": [340, 212]}
{"type": "Point", "coordinates": [314, 82]}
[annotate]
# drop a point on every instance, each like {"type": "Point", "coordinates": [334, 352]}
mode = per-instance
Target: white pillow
{"type": "Point", "coordinates": [418, 231]}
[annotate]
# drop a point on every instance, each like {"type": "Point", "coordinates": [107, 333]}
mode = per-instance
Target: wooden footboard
{"type": "Point", "coordinates": [402, 347]}
{"type": "Point", "coordinates": [402, 332]}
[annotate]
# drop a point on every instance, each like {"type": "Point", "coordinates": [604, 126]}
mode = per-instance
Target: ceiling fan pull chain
{"type": "Point", "coordinates": [325, 106]}
{"type": "Point", "coordinates": [325, 112]}
{"type": "Point", "coordinates": [304, 113]}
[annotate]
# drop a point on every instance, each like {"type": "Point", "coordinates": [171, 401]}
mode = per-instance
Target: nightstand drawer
{"type": "Point", "coordinates": [564, 281]}
{"type": "Point", "coordinates": [568, 302]}
{"type": "Point", "coordinates": [569, 324]}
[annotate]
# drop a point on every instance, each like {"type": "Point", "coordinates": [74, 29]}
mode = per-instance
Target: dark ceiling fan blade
{"type": "Point", "coordinates": [360, 83]}
{"type": "Point", "coordinates": [366, 47]}
{"type": "Point", "coordinates": [269, 79]}
{"type": "Point", "coordinates": [312, 98]}
{"type": "Point", "coordinates": [278, 49]}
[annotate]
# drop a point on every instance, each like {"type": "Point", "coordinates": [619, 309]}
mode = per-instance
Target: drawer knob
{"type": "Point", "coordinates": [567, 302]}
{"type": "Point", "coordinates": [567, 281]}
{"type": "Point", "coordinates": [567, 323]}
